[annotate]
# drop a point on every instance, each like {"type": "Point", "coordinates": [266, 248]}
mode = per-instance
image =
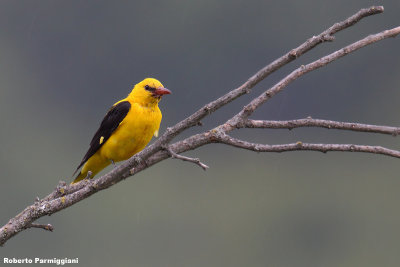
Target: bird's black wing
{"type": "Point", "coordinates": [110, 123]}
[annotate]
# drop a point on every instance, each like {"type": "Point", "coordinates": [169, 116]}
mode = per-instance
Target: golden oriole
{"type": "Point", "coordinates": [126, 129]}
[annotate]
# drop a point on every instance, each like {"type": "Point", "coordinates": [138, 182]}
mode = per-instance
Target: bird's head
{"type": "Point", "coordinates": [148, 92]}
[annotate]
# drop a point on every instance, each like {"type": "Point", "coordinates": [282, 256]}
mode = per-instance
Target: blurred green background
{"type": "Point", "coordinates": [63, 63]}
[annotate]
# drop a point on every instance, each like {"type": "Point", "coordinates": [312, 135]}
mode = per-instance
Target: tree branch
{"type": "Point", "coordinates": [184, 158]}
{"type": "Point", "coordinates": [310, 122]}
{"type": "Point", "coordinates": [257, 102]}
{"type": "Point", "coordinates": [47, 227]}
{"type": "Point", "coordinates": [229, 140]}
{"type": "Point", "coordinates": [65, 195]}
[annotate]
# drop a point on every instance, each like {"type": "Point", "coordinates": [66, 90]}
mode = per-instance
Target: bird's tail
{"type": "Point", "coordinates": [95, 164]}
{"type": "Point", "coordinates": [81, 176]}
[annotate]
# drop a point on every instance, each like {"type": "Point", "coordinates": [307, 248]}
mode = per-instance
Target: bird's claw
{"type": "Point", "coordinates": [113, 163]}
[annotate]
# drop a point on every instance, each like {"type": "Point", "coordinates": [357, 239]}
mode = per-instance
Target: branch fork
{"type": "Point", "coordinates": [184, 158]}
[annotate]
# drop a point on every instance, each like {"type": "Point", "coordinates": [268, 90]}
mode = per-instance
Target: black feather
{"type": "Point", "coordinates": [110, 123]}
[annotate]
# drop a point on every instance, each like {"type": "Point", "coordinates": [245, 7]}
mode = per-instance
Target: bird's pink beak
{"type": "Point", "coordinates": [161, 91]}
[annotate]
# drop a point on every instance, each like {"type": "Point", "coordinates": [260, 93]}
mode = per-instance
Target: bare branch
{"type": "Point", "coordinates": [66, 195]}
{"type": "Point", "coordinates": [310, 122]}
{"type": "Point", "coordinates": [245, 88]}
{"type": "Point", "coordinates": [184, 158]}
{"type": "Point", "coordinates": [47, 227]}
{"type": "Point", "coordinates": [229, 140]}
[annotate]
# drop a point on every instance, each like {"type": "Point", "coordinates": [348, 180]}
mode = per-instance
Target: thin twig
{"type": "Point", "coordinates": [47, 227]}
{"type": "Point", "coordinates": [184, 158]}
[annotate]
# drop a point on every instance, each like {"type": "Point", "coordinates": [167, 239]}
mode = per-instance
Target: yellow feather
{"type": "Point", "coordinates": [133, 133]}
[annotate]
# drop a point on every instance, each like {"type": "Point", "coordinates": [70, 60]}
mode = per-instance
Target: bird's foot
{"type": "Point", "coordinates": [89, 175]}
{"type": "Point", "coordinates": [113, 163]}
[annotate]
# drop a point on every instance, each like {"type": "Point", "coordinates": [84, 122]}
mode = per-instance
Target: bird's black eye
{"type": "Point", "coordinates": [149, 88]}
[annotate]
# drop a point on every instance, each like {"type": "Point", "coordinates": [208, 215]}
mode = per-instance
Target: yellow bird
{"type": "Point", "coordinates": [126, 129]}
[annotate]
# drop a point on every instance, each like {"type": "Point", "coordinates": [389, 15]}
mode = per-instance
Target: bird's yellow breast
{"type": "Point", "coordinates": [133, 133]}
